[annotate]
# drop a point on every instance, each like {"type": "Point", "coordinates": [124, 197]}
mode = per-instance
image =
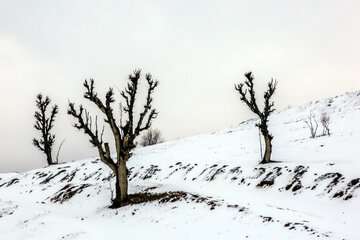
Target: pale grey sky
{"type": "Point", "coordinates": [196, 49]}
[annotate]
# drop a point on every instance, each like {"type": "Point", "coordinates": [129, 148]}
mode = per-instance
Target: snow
{"type": "Point", "coordinates": [251, 201]}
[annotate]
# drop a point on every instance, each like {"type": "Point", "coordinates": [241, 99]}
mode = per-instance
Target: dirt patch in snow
{"type": "Point", "coordinates": [347, 192]}
{"type": "Point", "coordinates": [67, 192]}
{"type": "Point", "coordinates": [170, 197]}
{"type": "Point", "coordinates": [11, 182]}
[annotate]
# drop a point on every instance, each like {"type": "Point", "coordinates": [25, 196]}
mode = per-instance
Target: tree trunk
{"type": "Point", "coordinates": [123, 180]}
{"type": "Point", "coordinates": [49, 158]}
{"type": "Point", "coordinates": [116, 202]}
{"type": "Point", "coordinates": [121, 185]}
{"type": "Point", "coordinates": [268, 148]}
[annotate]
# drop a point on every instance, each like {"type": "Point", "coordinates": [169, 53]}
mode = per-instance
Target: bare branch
{"type": "Point", "coordinates": [248, 99]}
{"type": "Point", "coordinates": [95, 138]}
{"type": "Point", "coordinates": [152, 84]}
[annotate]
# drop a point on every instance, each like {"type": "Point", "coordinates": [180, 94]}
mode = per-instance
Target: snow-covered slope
{"type": "Point", "coordinates": [313, 193]}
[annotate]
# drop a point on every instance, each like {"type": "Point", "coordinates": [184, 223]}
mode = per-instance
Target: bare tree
{"type": "Point", "coordinates": [124, 134]}
{"type": "Point", "coordinates": [44, 124]}
{"type": "Point", "coordinates": [312, 124]}
{"type": "Point", "coordinates": [151, 137]}
{"type": "Point", "coordinates": [247, 95]}
{"type": "Point", "coordinates": [325, 122]}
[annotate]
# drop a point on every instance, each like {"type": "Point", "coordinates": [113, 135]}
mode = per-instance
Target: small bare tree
{"type": "Point", "coordinates": [247, 95]}
{"type": "Point", "coordinates": [124, 133]}
{"type": "Point", "coordinates": [151, 137]}
{"type": "Point", "coordinates": [44, 124]}
{"type": "Point", "coordinates": [312, 124]}
{"type": "Point", "coordinates": [325, 122]}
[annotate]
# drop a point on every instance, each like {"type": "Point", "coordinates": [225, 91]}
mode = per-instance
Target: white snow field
{"type": "Point", "coordinates": [312, 193]}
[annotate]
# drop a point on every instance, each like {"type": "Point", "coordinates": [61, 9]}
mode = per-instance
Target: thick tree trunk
{"type": "Point", "coordinates": [268, 148]}
{"type": "Point", "coordinates": [121, 185]}
{"type": "Point", "coordinates": [123, 181]}
{"type": "Point", "coordinates": [116, 202]}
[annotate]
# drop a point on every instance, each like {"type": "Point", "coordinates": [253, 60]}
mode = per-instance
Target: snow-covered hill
{"type": "Point", "coordinates": [219, 191]}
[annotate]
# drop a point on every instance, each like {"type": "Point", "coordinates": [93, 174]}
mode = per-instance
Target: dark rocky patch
{"type": "Point", "coordinates": [149, 189]}
{"type": "Point", "coordinates": [336, 179]}
{"type": "Point", "coordinates": [267, 219]}
{"type": "Point", "coordinates": [39, 175]}
{"type": "Point", "coordinates": [205, 170]}
{"type": "Point", "coordinates": [95, 161]}
{"type": "Point", "coordinates": [69, 177]}
{"type": "Point", "coordinates": [214, 172]}
{"type": "Point", "coordinates": [235, 171]}
{"type": "Point", "coordinates": [188, 197]}
{"type": "Point", "coordinates": [269, 179]}
{"type": "Point", "coordinates": [259, 172]}
{"type": "Point", "coordinates": [179, 166]}
{"type": "Point", "coordinates": [63, 167]}
{"type": "Point", "coordinates": [189, 170]}
{"type": "Point", "coordinates": [91, 175]}
{"type": "Point", "coordinates": [133, 176]}
{"type": "Point", "coordinates": [303, 227]}
{"type": "Point", "coordinates": [52, 176]}
{"type": "Point", "coordinates": [348, 191]}
{"type": "Point", "coordinates": [11, 182]}
{"type": "Point", "coordinates": [67, 192]}
{"type": "Point", "coordinates": [295, 184]}
{"type": "Point", "coordinates": [151, 171]}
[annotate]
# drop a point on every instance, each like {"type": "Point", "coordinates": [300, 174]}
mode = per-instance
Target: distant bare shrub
{"type": "Point", "coordinates": [312, 124]}
{"type": "Point", "coordinates": [151, 137]}
{"type": "Point", "coordinates": [325, 122]}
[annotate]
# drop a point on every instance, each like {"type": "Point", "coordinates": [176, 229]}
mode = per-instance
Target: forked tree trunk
{"type": "Point", "coordinates": [268, 148]}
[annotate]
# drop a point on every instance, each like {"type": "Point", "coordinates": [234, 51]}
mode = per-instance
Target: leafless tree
{"type": "Point", "coordinates": [151, 137]}
{"type": "Point", "coordinates": [325, 122]}
{"type": "Point", "coordinates": [247, 95]}
{"type": "Point", "coordinates": [312, 124]}
{"type": "Point", "coordinates": [44, 122]}
{"type": "Point", "coordinates": [124, 131]}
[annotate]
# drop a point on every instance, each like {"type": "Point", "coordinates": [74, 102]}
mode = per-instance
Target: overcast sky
{"type": "Point", "coordinates": [196, 49]}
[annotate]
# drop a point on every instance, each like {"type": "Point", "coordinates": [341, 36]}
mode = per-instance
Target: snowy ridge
{"type": "Point", "coordinates": [313, 193]}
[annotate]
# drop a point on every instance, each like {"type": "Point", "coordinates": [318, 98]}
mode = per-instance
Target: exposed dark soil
{"type": "Point", "coordinates": [269, 179]}
{"type": "Point", "coordinates": [67, 192]}
{"type": "Point", "coordinates": [295, 184]}
{"type": "Point", "coordinates": [11, 182]}
{"type": "Point", "coordinates": [336, 178]}
{"type": "Point", "coordinates": [52, 176]}
{"type": "Point", "coordinates": [168, 197]}
{"type": "Point", "coordinates": [347, 192]}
